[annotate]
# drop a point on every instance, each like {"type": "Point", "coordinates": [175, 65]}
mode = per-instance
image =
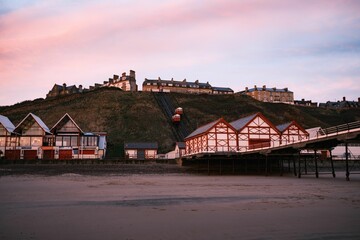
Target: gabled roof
{"type": "Point", "coordinates": [207, 127]}
{"type": "Point", "coordinates": [284, 126]}
{"type": "Point", "coordinates": [63, 121]}
{"type": "Point", "coordinates": [7, 124]}
{"type": "Point", "coordinates": [141, 145]}
{"type": "Point", "coordinates": [203, 129]}
{"type": "Point", "coordinates": [242, 122]}
{"type": "Point", "coordinates": [28, 118]}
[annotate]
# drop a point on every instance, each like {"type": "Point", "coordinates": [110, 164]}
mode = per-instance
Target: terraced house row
{"type": "Point", "coordinates": [244, 134]}
{"type": "Point", "coordinates": [31, 139]}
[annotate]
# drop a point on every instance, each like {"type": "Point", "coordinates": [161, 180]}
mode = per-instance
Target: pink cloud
{"type": "Point", "coordinates": [49, 42]}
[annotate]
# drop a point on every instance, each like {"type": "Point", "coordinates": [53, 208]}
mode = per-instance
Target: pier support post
{"type": "Point", "coordinates": [305, 165]}
{"type": "Point", "coordinates": [266, 165]}
{"type": "Point", "coordinates": [294, 166]}
{"type": "Point", "coordinates": [233, 166]}
{"type": "Point", "coordinates": [332, 164]}
{"type": "Point", "coordinates": [220, 166]}
{"type": "Point", "coordinates": [208, 166]}
{"type": "Point", "coordinates": [299, 173]}
{"type": "Point", "coordinates": [347, 162]}
{"type": "Point", "coordinates": [316, 166]}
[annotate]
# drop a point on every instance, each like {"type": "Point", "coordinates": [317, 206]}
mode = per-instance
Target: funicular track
{"type": "Point", "coordinates": [167, 105]}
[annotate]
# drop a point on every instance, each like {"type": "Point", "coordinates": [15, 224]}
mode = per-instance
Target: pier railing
{"type": "Point", "coordinates": [339, 128]}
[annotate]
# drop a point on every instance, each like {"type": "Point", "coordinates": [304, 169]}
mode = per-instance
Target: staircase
{"type": "Point", "coordinates": [179, 130]}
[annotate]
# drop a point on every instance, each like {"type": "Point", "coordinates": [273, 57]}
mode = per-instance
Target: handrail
{"type": "Point", "coordinates": [339, 128]}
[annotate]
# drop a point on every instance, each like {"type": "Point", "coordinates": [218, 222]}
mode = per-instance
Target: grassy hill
{"type": "Point", "coordinates": [127, 116]}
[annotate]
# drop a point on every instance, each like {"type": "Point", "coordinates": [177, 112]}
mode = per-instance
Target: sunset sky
{"type": "Point", "coordinates": [310, 46]}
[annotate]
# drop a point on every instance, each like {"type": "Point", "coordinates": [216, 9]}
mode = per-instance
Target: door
{"type": "Point", "coordinates": [30, 154]}
{"type": "Point", "coordinates": [65, 154]}
{"type": "Point", "coordinates": [141, 154]}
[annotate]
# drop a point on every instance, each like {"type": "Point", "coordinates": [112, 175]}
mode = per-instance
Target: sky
{"type": "Point", "coordinates": [311, 47]}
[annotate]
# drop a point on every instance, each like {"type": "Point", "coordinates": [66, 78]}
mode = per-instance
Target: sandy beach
{"type": "Point", "coordinates": [178, 206]}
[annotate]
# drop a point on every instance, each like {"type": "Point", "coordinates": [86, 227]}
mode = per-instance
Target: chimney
{"type": "Point", "coordinates": [132, 74]}
{"type": "Point", "coordinates": [197, 81]}
{"type": "Point", "coordinates": [264, 87]}
{"type": "Point", "coordinates": [106, 82]}
{"type": "Point", "coordinates": [274, 88]}
{"type": "Point", "coordinates": [303, 99]}
{"type": "Point", "coordinates": [246, 89]}
{"type": "Point", "coordinates": [184, 80]}
{"type": "Point", "coordinates": [80, 88]}
{"type": "Point", "coordinates": [359, 99]}
{"type": "Point", "coordinates": [123, 76]}
{"type": "Point", "coordinates": [286, 89]}
{"type": "Point", "coordinates": [159, 79]}
{"type": "Point", "coordinates": [115, 77]}
{"type": "Point", "coordinates": [255, 87]}
{"type": "Point", "coordinates": [64, 85]}
{"type": "Point", "coordinates": [112, 80]}
{"type": "Point", "coordinates": [172, 79]}
{"type": "Point", "coordinates": [344, 99]}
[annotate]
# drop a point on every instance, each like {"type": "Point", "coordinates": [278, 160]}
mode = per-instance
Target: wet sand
{"type": "Point", "coordinates": [178, 206]}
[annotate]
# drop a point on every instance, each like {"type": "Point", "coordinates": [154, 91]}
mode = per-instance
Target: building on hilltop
{"type": "Point", "coordinates": [306, 103]}
{"type": "Point", "coordinates": [159, 85]}
{"type": "Point", "coordinates": [273, 95]}
{"type": "Point", "coordinates": [58, 90]}
{"type": "Point", "coordinates": [125, 82]}
{"type": "Point", "coordinates": [344, 104]}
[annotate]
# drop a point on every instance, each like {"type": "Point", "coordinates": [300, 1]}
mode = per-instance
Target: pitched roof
{"type": "Point", "coordinates": [8, 125]}
{"type": "Point", "coordinates": [36, 119]}
{"type": "Point", "coordinates": [62, 121]}
{"type": "Point", "coordinates": [141, 145]}
{"type": "Point", "coordinates": [268, 90]}
{"type": "Point", "coordinates": [181, 145]}
{"type": "Point", "coordinates": [284, 126]}
{"type": "Point", "coordinates": [223, 89]}
{"type": "Point", "coordinates": [180, 83]}
{"type": "Point", "coordinates": [240, 123]}
{"type": "Point", "coordinates": [203, 129]}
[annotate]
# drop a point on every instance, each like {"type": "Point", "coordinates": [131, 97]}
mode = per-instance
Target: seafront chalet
{"type": "Point", "coordinates": [292, 132]}
{"type": "Point", "coordinates": [141, 150]}
{"type": "Point", "coordinates": [6, 130]}
{"type": "Point", "coordinates": [31, 131]}
{"type": "Point", "coordinates": [217, 136]}
{"type": "Point", "coordinates": [32, 139]}
{"type": "Point", "coordinates": [71, 142]}
{"type": "Point", "coordinates": [244, 134]}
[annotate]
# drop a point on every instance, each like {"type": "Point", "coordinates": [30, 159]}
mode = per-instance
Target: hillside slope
{"type": "Point", "coordinates": [127, 116]}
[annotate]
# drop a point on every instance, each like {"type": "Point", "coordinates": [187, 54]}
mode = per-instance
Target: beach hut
{"type": "Point", "coordinates": [6, 130]}
{"type": "Point", "coordinates": [141, 150]}
{"type": "Point", "coordinates": [31, 131]}
{"type": "Point", "coordinates": [217, 136]}
{"type": "Point", "coordinates": [292, 132]}
{"type": "Point", "coordinates": [255, 131]}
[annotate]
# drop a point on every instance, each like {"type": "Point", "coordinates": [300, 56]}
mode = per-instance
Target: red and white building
{"type": "Point", "coordinates": [217, 136]}
{"type": "Point", "coordinates": [255, 131]}
{"type": "Point", "coordinates": [292, 132]}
